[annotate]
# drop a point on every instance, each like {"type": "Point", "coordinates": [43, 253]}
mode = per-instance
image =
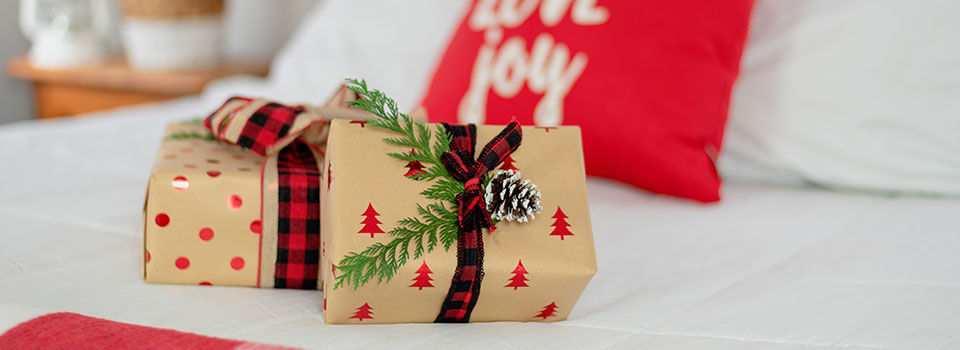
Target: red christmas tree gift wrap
{"type": "Point", "coordinates": [469, 237]}
{"type": "Point", "coordinates": [234, 199]}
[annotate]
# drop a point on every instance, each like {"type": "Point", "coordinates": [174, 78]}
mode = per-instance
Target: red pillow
{"type": "Point", "coordinates": [647, 81]}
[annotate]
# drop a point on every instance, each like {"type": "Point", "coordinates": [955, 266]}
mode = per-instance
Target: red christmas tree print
{"type": "Point", "coordinates": [363, 312]}
{"type": "Point", "coordinates": [508, 164]}
{"type": "Point", "coordinates": [546, 128]}
{"type": "Point", "coordinates": [560, 225]}
{"type": "Point", "coordinates": [548, 311]}
{"type": "Point", "coordinates": [518, 280]}
{"type": "Point", "coordinates": [370, 225]}
{"type": "Point", "coordinates": [423, 279]}
{"type": "Point", "coordinates": [363, 123]}
{"type": "Point", "coordinates": [416, 168]}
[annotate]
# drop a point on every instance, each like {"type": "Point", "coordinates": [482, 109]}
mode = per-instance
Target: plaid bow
{"type": "Point", "coordinates": [472, 215]}
{"type": "Point", "coordinates": [287, 137]}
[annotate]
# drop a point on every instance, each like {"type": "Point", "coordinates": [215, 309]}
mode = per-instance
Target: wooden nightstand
{"type": "Point", "coordinates": [66, 92]}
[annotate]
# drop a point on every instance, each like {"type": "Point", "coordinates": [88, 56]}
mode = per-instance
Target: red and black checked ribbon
{"type": "Point", "coordinates": [298, 180]}
{"type": "Point", "coordinates": [472, 215]}
{"type": "Point", "coordinates": [298, 218]}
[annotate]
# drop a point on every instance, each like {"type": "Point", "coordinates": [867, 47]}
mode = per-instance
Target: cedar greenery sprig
{"type": "Point", "coordinates": [205, 135]}
{"type": "Point", "coordinates": [437, 222]}
{"type": "Point", "coordinates": [191, 135]}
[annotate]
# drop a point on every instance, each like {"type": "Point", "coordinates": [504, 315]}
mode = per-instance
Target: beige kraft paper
{"type": "Point", "coordinates": [361, 174]}
{"type": "Point", "coordinates": [211, 173]}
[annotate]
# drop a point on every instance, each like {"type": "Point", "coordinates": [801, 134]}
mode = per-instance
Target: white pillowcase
{"type": "Point", "coordinates": [853, 94]}
{"type": "Point", "coordinates": [393, 44]}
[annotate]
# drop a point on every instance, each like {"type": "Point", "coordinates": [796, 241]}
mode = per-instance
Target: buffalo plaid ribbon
{"type": "Point", "coordinates": [472, 215]}
{"type": "Point", "coordinates": [298, 218]}
{"type": "Point", "coordinates": [273, 130]}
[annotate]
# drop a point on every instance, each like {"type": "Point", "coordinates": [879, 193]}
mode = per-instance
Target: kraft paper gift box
{"type": "Point", "coordinates": [392, 239]}
{"type": "Point", "coordinates": [205, 221]}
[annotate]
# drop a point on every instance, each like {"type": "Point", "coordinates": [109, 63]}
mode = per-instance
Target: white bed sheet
{"type": "Point", "coordinates": [767, 267]}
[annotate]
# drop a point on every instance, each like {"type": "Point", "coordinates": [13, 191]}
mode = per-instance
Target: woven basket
{"type": "Point", "coordinates": [167, 35]}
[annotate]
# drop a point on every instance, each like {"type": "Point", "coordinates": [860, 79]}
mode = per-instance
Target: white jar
{"type": "Point", "coordinates": [177, 43]}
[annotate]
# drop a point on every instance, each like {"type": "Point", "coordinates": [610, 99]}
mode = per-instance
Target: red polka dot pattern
{"type": "Point", "coordinates": [237, 263]}
{"type": "Point", "coordinates": [234, 202]}
{"type": "Point", "coordinates": [201, 249]}
{"type": "Point", "coordinates": [206, 233]}
{"type": "Point", "coordinates": [162, 220]}
{"type": "Point", "coordinates": [180, 183]}
{"type": "Point", "coordinates": [182, 263]}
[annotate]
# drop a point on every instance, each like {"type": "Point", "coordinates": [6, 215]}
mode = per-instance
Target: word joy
{"type": "Point", "coordinates": [504, 66]}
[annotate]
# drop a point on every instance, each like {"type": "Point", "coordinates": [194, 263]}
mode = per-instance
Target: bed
{"type": "Point", "coordinates": [784, 266]}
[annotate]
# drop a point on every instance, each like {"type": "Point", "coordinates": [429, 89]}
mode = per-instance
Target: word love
{"type": "Point", "coordinates": [548, 68]}
{"type": "Point", "coordinates": [511, 13]}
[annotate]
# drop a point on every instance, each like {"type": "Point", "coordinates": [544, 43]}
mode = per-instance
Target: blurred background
{"type": "Point", "coordinates": [15, 94]}
{"type": "Point", "coordinates": [874, 83]}
{"type": "Point", "coordinates": [58, 53]}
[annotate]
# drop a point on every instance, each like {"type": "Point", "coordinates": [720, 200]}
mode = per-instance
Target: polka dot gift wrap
{"type": "Point", "coordinates": [202, 213]}
{"type": "Point", "coordinates": [234, 199]}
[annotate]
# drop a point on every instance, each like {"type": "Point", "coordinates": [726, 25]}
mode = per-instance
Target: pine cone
{"type": "Point", "coordinates": [509, 199]}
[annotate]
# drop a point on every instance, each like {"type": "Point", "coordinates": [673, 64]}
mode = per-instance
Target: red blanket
{"type": "Point", "coordinates": [65, 330]}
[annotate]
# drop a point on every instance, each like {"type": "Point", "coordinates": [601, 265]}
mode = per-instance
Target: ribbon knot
{"type": "Point", "coordinates": [471, 207]}
{"type": "Point", "coordinates": [461, 165]}
{"type": "Point", "coordinates": [472, 215]}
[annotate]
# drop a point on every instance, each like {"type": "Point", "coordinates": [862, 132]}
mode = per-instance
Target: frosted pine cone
{"type": "Point", "coordinates": [509, 199]}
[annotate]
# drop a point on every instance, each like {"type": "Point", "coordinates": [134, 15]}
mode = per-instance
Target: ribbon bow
{"type": "Point", "coordinates": [472, 215]}
{"type": "Point", "coordinates": [289, 139]}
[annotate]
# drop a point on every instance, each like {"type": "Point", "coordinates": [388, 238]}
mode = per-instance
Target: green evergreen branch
{"type": "Point", "coordinates": [380, 261]}
{"type": "Point", "coordinates": [437, 221]}
{"type": "Point", "coordinates": [191, 135]}
{"type": "Point", "coordinates": [443, 189]}
{"type": "Point", "coordinates": [412, 157]}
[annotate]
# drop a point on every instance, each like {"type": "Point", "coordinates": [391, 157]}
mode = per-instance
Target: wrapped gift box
{"type": "Point", "coordinates": [380, 267]}
{"type": "Point", "coordinates": [205, 218]}
{"type": "Point", "coordinates": [202, 214]}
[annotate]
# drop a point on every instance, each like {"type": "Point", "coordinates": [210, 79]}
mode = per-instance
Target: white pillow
{"type": "Point", "coordinates": [853, 94]}
{"type": "Point", "coordinates": [393, 44]}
